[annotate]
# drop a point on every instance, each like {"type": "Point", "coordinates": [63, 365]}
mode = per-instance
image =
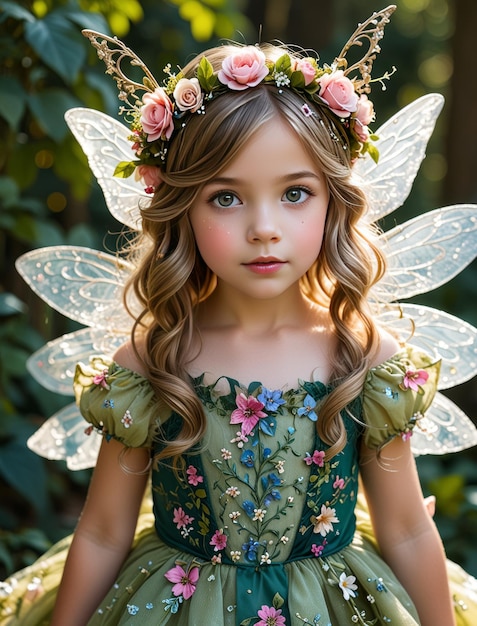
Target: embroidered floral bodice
{"type": "Point", "coordinates": [258, 493]}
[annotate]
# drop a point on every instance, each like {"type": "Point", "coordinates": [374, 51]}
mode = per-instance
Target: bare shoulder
{"type": "Point", "coordinates": [388, 345]}
{"type": "Point", "coordinates": [125, 356]}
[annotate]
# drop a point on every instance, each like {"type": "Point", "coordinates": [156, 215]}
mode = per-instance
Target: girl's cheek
{"type": "Point", "coordinates": [213, 239]}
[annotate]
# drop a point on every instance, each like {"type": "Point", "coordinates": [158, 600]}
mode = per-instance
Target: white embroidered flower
{"type": "Point", "coordinates": [347, 586]}
{"type": "Point", "coordinates": [265, 559]}
{"type": "Point", "coordinates": [284, 539]}
{"type": "Point", "coordinates": [279, 466]}
{"type": "Point", "coordinates": [127, 419]}
{"type": "Point", "coordinates": [226, 454]}
{"type": "Point", "coordinates": [234, 516]}
{"type": "Point", "coordinates": [235, 555]}
{"type": "Point", "coordinates": [258, 515]}
{"type": "Point", "coordinates": [233, 492]}
{"type": "Point", "coordinates": [290, 499]}
{"type": "Point", "coordinates": [323, 523]}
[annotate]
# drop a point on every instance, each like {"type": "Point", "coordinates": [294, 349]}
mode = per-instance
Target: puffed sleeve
{"type": "Point", "coordinates": [117, 401]}
{"type": "Point", "coordinates": [396, 394]}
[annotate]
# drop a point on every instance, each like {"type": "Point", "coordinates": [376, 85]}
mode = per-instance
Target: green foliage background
{"type": "Point", "coordinates": [48, 197]}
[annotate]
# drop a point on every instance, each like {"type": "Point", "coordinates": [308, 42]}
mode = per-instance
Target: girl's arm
{"type": "Point", "coordinates": [104, 533]}
{"type": "Point", "coordinates": [405, 532]}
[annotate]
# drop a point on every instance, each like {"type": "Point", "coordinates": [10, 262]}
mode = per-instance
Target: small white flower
{"type": "Point", "coordinates": [265, 559]}
{"type": "Point", "coordinates": [258, 515]}
{"type": "Point", "coordinates": [234, 516]}
{"type": "Point", "coordinates": [226, 454]}
{"type": "Point", "coordinates": [279, 466]}
{"type": "Point", "coordinates": [284, 539]}
{"type": "Point", "coordinates": [233, 492]}
{"type": "Point", "coordinates": [347, 586]}
{"type": "Point", "coordinates": [235, 555]}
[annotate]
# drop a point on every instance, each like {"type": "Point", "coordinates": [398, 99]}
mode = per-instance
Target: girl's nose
{"type": "Point", "coordinates": [264, 225]}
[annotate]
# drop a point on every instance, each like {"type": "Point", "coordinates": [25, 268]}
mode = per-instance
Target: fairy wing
{"type": "Point", "coordinates": [83, 284]}
{"type": "Point", "coordinates": [444, 429]}
{"type": "Point", "coordinates": [427, 251]}
{"type": "Point", "coordinates": [402, 142]}
{"type": "Point", "coordinates": [63, 438]}
{"type": "Point", "coordinates": [53, 365]}
{"type": "Point", "coordinates": [439, 334]}
{"type": "Point", "coordinates": [105, 142]}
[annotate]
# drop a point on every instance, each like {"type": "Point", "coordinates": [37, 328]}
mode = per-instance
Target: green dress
{"type": "Point", "coordinates": [257, 528]}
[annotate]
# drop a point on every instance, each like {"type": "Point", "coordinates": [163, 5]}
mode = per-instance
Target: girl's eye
{"type": "Point", "coordinates": [224, 199]}
{"type": "Point", "coordinates": [296, 194]}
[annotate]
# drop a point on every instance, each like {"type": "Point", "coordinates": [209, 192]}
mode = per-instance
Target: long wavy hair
{"type": "Point", "coordinates": [172, 279]}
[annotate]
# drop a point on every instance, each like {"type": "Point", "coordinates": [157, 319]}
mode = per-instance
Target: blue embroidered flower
{"type": "Point", "coordinates": [307, 409]}
{"type": "Point", "coordinates": [248, 507]}
{"type": "Point", "coordinates": [273, 495]}
{"type": "Point", "coordinates": [266, 453]}
{"type": "Point", "coordinates": [271, 399]}
{"type": "Point", "coordinates": [132, 609]}
{"type": "Point", "coordinates": [250, 548]}
{"type": "Point", "coordinates": [271, 479]}
{"type": "Point", "coordinates": [247, 458]}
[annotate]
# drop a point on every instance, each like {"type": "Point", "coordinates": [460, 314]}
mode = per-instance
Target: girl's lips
{"type": "Point", "coordinates": [265, 266]}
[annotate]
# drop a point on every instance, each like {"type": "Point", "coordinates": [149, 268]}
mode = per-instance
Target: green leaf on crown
{"type": "Point", "coordinates": [124, 169]}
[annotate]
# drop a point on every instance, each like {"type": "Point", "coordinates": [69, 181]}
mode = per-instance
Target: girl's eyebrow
{"type": "Point", "coordinates": [229, 180]}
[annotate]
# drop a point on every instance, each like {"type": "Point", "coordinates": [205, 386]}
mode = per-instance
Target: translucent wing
{"type": "Point", "coordinates": [402, 144]}
{"type": "Point", "coordinates": [444, 429]}
{"type": "Point", "coordinates": [428, 250]}
{"type": "Point", "coordinates": [84, 284]}
{"type": "Point", "coordinates": [53, 365]}
{"type": "Point", "coordinates": [439, 334]}
{"type": "Point", "coordinates": [105, 142]}
{"type": "Point", "coordinates": [62, 437]}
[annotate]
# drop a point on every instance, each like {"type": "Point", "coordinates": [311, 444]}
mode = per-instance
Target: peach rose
{"type": "Point", "coordinates": [188, 95]}
{"type": "Point", "coordinates": [150, 176]}
{"type": "Point", "coordinates": [365, 110]}
{"type": "Point", "coordinates": [245, 68]}
{"type": "Point", "coordinates": [156, 115]}
{"type": "Point", "coordinates": [337, 91]}
{"type": "Point", "coordinates": [307, 69]}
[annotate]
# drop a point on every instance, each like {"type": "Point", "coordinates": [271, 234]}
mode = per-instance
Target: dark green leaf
{"type": "Point", "coordinates": [12, 100]}
{"type": "Point", "coordinates": [15, 11]}
{"type": "Point", "coordinates": [49, 108]}
{"type": "Point", "coordinates": [58, 44]}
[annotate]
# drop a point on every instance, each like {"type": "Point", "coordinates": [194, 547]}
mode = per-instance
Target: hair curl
{"type": "Point", "coordinates": [171, 278]}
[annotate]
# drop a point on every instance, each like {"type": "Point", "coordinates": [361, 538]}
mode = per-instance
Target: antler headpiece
{"type": "Point", "coordinates": [156, 112]}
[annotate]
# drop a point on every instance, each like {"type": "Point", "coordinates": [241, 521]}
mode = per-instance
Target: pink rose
{"type": "Point", "coordinates": [156, 115]}
{"type": "Point", "coordinates": [338, 92]}
{"type": "Point", "coordinates": [306, 67]}
{"type": "Point", "coordinates": [150, 175]}
{"type": "Point", "coordinates": [188, 95]}
{"type": "Point", "coordinates": [361, 131]}
{"type": "Point", "coordinates": [365, 110]}
{"type": "Point", "coordinates": [245, 68]}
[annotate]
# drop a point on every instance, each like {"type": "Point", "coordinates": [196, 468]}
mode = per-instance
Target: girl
{"type": "Point", "coordinates": [256, 387]}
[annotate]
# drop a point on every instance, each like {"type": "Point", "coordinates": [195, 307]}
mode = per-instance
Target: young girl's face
{"type": "Point", "coordinates": [259, 224]}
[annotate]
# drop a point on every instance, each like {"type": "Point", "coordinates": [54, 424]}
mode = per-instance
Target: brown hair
{"type": "Point", "coordinates": [171, 278]}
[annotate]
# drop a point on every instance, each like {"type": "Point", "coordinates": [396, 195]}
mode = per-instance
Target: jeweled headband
{"type": "Point", "coordinates": [163, 110]}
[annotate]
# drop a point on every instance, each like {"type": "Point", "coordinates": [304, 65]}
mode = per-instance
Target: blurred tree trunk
{"type": "Point", "coordinates": [306, 23]}
{"type": "Point", "coordinates": [461, 181]}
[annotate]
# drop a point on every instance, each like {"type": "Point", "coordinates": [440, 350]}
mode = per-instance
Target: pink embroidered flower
{"type": "Point", "coordinates": [318, 458]}
{"type": "Point", "coordinates": [181, 519]}
{"type": "Point", "coordinates": [339, 483]}
{"type": "Point", "coordinates": [245, 68]}
{"type": "Point", "coordinates": [306, 67]}
{"type": "Point", "coordinates": [270, 616]}
{"type": "Point", "coordinates": [219, 540]}
{"type": "Point", "coordinates": [318, 550]}
{"type": "Point", "coordinates": [150, 175]}
{"type": "Point", "coordinates": [192, 477]}
{"type": "Point", "coordinates": [247, 413]}
{"type": "Point", "coordinates": [413, 379]}
{"type": "Point", "coordinates": [323, 523]}
{"type": "Point", "coordinates": [188, 95]}
{"type": "Point", "coordinates": [406, 435]}
{"type": "Point", "coordinates": [347, 586]}
{"type": "Point", "coordinates": [337, 91]}
{"type": "Point", "coordinates": [100, 379]}
{"type": "Point", "coordinates": [156, 115]}
{"type": "Point", "coordinates": [186, 581]}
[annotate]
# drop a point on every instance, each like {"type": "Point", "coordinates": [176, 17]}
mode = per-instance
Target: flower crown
{"type": "Point", "coordinates": [163, 110]}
